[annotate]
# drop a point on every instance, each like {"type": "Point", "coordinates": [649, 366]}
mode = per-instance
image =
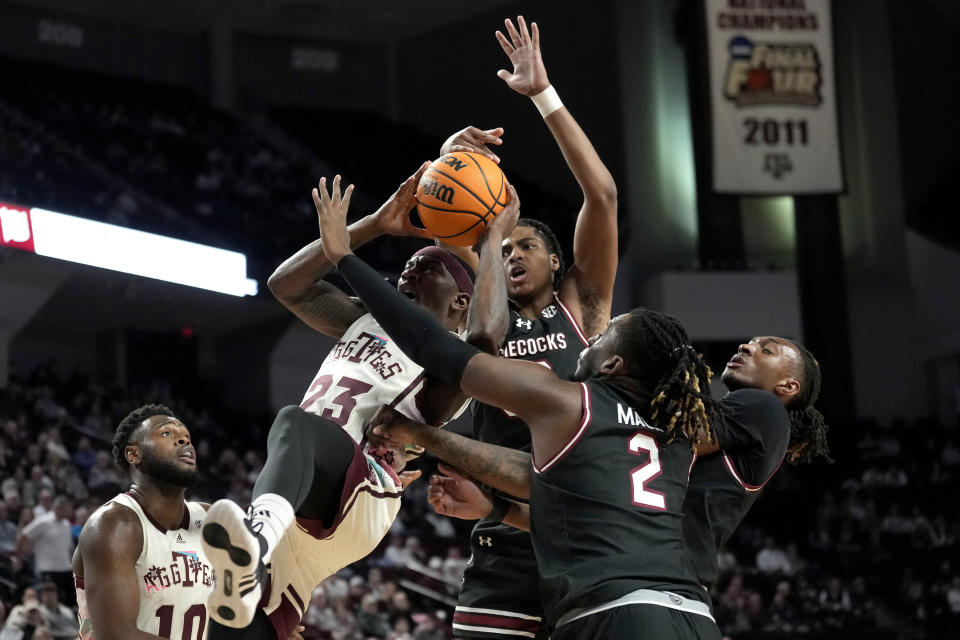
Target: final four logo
{"type": "Point", "coordinates": [763, 73]}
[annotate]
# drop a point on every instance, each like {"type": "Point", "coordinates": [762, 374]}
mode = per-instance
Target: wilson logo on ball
{"type": "Point", "coordinates": [433, 188]}
{"type": "Point", "coordinates": [458, 194]}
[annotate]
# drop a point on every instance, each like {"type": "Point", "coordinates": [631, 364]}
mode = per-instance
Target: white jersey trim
{"type": "Point", "coordinates": [571, 319]}
{"type": "Point", "coordinates": [574, 439]}
{"type": "Point", "coordinates": [499, 630]}
{"type": "Point", "coordinates": [498, 612]}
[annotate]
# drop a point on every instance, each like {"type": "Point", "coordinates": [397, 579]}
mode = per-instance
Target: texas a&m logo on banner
{"type": "Point", "coordinates": [772, 97]}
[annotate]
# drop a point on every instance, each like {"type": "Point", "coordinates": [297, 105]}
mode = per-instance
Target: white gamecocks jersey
{"type": "Point", "coordinates": [363, 371]}
{"type": "Point", "coordinates": [174, 578]}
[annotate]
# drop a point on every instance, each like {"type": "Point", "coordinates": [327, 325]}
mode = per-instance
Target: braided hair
{"type": "Point", "coordinates": [666, 362]}
{"type": "Point", "coordinates": [130, 424]}
{"type": "Point", "coordinates": [808, 428]}
{"type": "Point", "coordinates": [553, 245]}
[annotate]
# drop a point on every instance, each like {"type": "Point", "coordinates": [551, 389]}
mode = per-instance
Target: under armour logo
{"type": "Point", "coordinates": [485, 541]}
{"type": "Point", "coordinates": [549, 312]}
{"type": "Point", "coordinates": [523, 323]}
{"type": "Point", "coordinates": [179, 538]}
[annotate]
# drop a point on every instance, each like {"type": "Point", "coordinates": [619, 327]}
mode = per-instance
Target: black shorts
{"type": "Point", "coordinates": [647, 621]}
{"type": "Point", "coordinates": [500, 595]}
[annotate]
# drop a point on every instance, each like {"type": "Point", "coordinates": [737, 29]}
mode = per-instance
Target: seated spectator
{"type": "Point", "coordinates": [953, 596]}
{"type": "Point", "coordinates": [454, 564]}
{"type": "Point", "coordinates": [320, 615]}
{"type": "Point", "coordinates": [337, 588]}
{"type": "Point", "coordinates": [104, 479]}
{"type": "Point", "coordinates": [369, 619]}
{"type": "Point", "coordinates": [17, 579]}
{"type": "Point", "coordinates": [396, 555]}
{"type": "Point", "coordinates": [60, 619]}
{"type": "Point", "coordinates": [772, 559]}
{"type": "Point", "coordinates": [24, 620]}
{"type": "Point", "coordinates": [8, 532]}
{"type": "Point", "coordinates": [84, 456]}
{"type": "Point", "coordinates": [11, 498]}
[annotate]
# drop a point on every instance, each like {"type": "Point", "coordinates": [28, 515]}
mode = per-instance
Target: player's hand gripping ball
{"type": "Point", "coordinates": [458, 194]}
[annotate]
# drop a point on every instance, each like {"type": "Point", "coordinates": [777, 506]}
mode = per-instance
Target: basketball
{"type": "Point", "coordinates": [458, 194]}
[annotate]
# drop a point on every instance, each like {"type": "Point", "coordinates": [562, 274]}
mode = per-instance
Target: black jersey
{"type": "Point", "coordinates": [753, 436]}
{"type": "Point", "coordinates": [606, 511]}
{"type": "Point", "coordinates": [500, 595]}
{"type": "Point", "coordinates": [554, 340]}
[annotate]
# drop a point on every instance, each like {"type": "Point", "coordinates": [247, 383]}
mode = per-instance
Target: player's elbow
{"type": "Point", "coordinates": [604, 193]}
{"type": "Point", "coordinates": [277, 286]}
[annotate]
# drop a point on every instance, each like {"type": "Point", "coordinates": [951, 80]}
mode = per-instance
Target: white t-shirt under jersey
{"type": "Point", "coordinates": [174, 577]}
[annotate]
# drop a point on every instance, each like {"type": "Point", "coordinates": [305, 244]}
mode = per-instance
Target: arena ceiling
{"type": "Point", "coordinates": [364, 20]}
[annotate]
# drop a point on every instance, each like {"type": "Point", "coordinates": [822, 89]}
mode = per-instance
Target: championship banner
{"type": "Point", "coordinates": [772, 97]}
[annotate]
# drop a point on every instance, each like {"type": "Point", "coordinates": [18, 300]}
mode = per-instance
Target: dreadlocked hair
{"type": "Point", "coordinates": [808, 428]}
{"type": "Point", "coordinates": [680, 378]}
{"type": "Point", "coordinates": [129, 424]}
{"type": "Point", "coordinates": [553, 245]}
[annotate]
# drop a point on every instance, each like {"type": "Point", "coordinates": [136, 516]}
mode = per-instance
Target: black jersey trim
{"type": "Point", "coordinates": [585, 392]}
{"type": "Point", "coordinates": [572, 320]}
{"type": "Point", "coordinates": [749, 488]}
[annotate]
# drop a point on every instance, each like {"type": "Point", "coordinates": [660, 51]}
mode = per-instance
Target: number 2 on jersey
{"type": "Point", "coordinates": [641, 443]}
{"type": "Point", "coordinates": [345, 401]}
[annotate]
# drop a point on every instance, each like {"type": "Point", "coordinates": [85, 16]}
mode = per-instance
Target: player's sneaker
{"type": "Point", "coordinates": [236, 551]}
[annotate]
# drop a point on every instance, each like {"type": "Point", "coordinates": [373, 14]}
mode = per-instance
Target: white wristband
{"type": "Point", "coordinates": [547, 101]}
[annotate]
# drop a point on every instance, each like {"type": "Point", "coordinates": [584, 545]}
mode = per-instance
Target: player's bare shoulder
{"type": "Point", "coordinates": [114, 529]}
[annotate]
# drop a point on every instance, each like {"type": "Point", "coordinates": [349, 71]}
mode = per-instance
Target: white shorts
{"type": "Point", "coordinates": [311, 552]}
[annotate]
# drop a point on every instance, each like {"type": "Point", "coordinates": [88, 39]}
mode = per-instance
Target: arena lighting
{"type": "Point", "coordinates": [57, 235]}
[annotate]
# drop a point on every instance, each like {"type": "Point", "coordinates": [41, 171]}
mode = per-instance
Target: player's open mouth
{"type": "Point", "coordinates": [188, 455]}
{"type": "Point", "coordinates": [735, 362]}
{"type": "Point", "coordinates": [517, 274]}
{"type": "Point", "coordinates": [406, 290]}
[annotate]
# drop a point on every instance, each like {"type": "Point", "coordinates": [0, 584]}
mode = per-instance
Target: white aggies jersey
{"type": "Point", "coordinates": [363, 371]}
{"type": "Point", "coordinates": [174, 575]}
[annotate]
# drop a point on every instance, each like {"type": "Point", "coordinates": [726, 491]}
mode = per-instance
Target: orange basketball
{"type": "Point", "coordinates": [458, 194]}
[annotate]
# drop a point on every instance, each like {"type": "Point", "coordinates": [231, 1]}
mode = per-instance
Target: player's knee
{"type": "Point", "coordinates": [286, 427]}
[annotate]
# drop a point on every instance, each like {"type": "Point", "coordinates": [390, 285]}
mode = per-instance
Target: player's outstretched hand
{"type": "Point", "coordinates": [457, 495]}
{"type": "Point", "coordinates": [474, 140]}
{"type": "Point", "coordinates": [393, 217]}
{"type": "Point", "coordinates": [332, 214]}
{"type": "Point", "coordinates": [529, 76]}
{"type": "Point", "coordinates": [394, 428]}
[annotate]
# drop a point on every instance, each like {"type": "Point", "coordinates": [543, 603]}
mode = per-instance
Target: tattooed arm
{"type": "Point", "coordinates": [498, 467]}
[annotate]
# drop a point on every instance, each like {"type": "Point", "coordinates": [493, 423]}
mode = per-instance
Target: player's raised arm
{"type": "Point", "coordinates": [104, 560]}
{"type": "Point", "coordinates": [551, 407]}
{"type": "Point", "coordinates": [587, 287]}
{"type": "Point", "coordinates": [298, 282]}
{"type": "Point", "coordinates": [488, 317]}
